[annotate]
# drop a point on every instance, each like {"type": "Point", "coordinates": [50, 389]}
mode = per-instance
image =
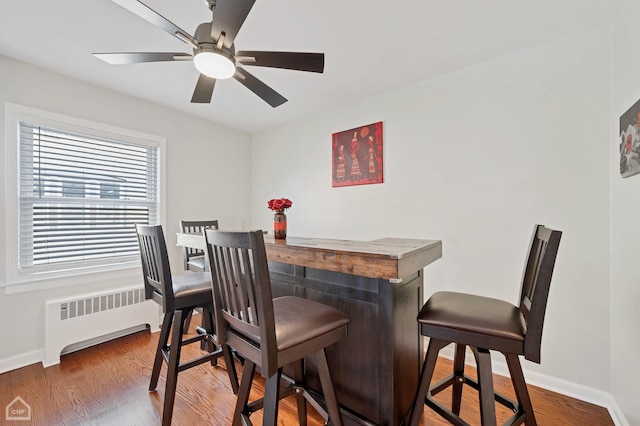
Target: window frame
{"type": "Point", "coordinates": [17, 280]}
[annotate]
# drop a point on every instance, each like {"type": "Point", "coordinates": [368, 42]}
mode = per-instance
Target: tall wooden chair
{"type": "Point", "coordinates": [193, 258]}
{"type": "Point", "coordinates": [178, 296]}
{"type": "Point", "coordinates": [269, 333]}
{"type": "Point", "coordinates": [486, 324]}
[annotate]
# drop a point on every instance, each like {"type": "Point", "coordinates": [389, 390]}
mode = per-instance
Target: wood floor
{"type": "Point", "coordinates": [107, 385]}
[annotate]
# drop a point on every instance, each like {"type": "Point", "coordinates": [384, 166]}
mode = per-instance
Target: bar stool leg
{"type": "Point", "coordinates": [248, 370]}
{"type": "Point", "coordinates": [271, 397]}
{"type": "Point", "coordinates": [162, 342]}
{"type": "Point", "coordinates": [298, 376]}
{"type": "Point", "coordinates": [485, 382]}
{"type": "Point", "coordinates": [187, 322]}
{"type": "Point", "coordinates": [172, 371]}
{"type": "Point", "coordinates": [458, 380]}
{"type": "Point", "coordinates": [231, 368]}
{"type": "Point", "coordinates": [520, 386]}
{"type": "Point", "coordinates": [327, 389]}
{"type": "Point", "coordinates": [207, 322]}
{"type": "Point", "coordinates": [425, 379]}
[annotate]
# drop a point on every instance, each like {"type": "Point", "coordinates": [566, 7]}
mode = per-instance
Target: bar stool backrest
{"type": "Point", "coordinates": [536, 281]}
{"type": "Point", "coordinates": [194, 227]}
{"type": "Point", "coordinates": [155, 266]}
{"type": "Point", "coordinates": [243, 305]}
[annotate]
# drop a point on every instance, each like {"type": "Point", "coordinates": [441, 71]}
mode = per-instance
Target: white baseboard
{"type": "Point", "coordinates": [22, 360]}
{"type": "Point", "coordinates": [616, 413]}
{"type": "Point", "coordinates": [34, 357]}
{"type": "Point", "coordinates": [102, 339]}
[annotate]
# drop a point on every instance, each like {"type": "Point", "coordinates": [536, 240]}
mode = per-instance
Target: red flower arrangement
{"type": "Point", "coordinates": [279, 204]}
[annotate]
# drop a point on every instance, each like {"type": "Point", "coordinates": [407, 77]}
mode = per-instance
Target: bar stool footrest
{"type": "Point", "coordinates": [518, 417]}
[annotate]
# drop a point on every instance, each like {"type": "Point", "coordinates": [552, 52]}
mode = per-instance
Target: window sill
{"type": "Point", "coordinates": [33, 283]}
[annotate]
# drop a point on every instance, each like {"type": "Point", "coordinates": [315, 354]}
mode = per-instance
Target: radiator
{"type": "Point", "coordinates": [85, 320]}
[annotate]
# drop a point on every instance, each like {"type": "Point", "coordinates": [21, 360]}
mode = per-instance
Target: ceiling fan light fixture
{"type": "Point", "coordinates": [214, 63]}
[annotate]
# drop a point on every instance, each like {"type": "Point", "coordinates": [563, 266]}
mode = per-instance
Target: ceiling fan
{"type": "Point", "coordinates": [214, 54]}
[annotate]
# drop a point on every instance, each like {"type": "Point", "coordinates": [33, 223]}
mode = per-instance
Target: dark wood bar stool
{"type": "Point", "coordinates": [269, 333]}
{"type": "Point", "coordinates": [193, 258]}
{"type": "Point", "coordinates": [486, 324]}
{"type": "Point", "coordinates": [178, 296]}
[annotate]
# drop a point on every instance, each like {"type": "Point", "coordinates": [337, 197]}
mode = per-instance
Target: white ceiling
{"type": "Point", "coordinates": [370, 46]}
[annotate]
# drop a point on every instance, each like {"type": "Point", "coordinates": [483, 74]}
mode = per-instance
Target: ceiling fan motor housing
{"type": "Point", "coordinates": [203, 35]}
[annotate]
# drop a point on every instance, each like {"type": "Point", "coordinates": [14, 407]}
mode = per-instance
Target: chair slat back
{"type": "Point", "coordinates": [536, 281]}
{"type": "Point", "coordinates": [155, 265]}
{"type": "Point", "coordinates": [242, 290]}
{"type": "Point", "coordinates": [194, 227]}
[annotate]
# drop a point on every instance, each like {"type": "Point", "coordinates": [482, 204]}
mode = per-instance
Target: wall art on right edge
{"type": "Point", "coordinates": [630, 141]}
{"type": "Point", "coordinates": [356, 156]}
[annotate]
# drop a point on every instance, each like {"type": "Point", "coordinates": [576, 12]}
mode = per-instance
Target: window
{"type": "Point", "coordinates": [81, 191]}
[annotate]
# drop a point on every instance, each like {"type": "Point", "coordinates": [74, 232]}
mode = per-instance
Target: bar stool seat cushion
{"type": "Point", "coordinates": [196, 263]}
{"type": "Point", "coordinates": [300, 320]}
{"type": "Point", "coordinates": [192, 283]}
{"type": "Point", "coordinates": [474, 314]}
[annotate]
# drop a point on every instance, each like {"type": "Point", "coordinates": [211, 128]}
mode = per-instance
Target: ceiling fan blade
{"type": "Point", "coordinates": [204, 90]}
{"type": "Point", "coordinates": [312, 62]}
{"type": "Point", "coordinates": [140, 57]}
{"type": "Point", "coordinates": [153, 17]}
{"type": "Point", "coordinates": [267, 94]}
{"type": "Point", "coordinates": [228, 17]}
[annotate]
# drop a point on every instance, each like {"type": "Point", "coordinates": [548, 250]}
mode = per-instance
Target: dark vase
{"type": "Point", "coordinates": [279, 225]}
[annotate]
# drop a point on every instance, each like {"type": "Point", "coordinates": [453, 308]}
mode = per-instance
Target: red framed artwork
{"type": "Point", "coordinates": [357, 156]}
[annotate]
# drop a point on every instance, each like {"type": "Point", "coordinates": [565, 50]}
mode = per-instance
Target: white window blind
{"type": "Point", "coordinates": [80, 196]}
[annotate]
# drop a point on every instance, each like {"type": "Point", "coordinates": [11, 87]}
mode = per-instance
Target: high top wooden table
{"type": "Point", "coordinates": [379, 285]}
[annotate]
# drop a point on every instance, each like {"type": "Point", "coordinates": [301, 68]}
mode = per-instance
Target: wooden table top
{"type": "Point", "coordinates": [386, 258]}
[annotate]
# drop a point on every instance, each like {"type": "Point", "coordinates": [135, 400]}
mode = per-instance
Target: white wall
{"type": "Point", "coordinates": [625, 234]}
{"type": "Point", "coordinates": [475, 158]}
{"type": "Point", "coordinates": [208, 176]}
